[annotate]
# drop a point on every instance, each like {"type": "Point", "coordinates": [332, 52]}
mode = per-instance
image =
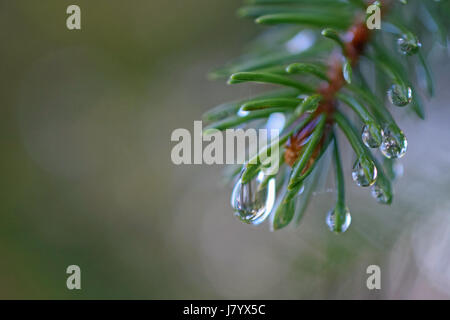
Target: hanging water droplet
{"type": "Point", "coordinates": [400, 96]}
{"type": "Point", "coordinates": [379, 194]}
{"type": "Point", "coordinates": [368, 139]}
{"type": "Point", "coordinates": [331, 220]}
{"type": "Point", "coordinates": [364, 176]}
{"type": "Point", "coordinates": [408, 46]}
{"type": "Point", "coordinates": [252, 204]}
{"type": "Point", "coordinates": [393, 147]}
{"type": "Point", "coordinates": [243, 113]}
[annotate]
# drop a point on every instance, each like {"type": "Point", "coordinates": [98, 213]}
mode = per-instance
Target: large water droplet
{"type": "Point", "coordinates": [379, 194]}
{"type": "Point", "coordinates": [251, 203]}
{"type": "Point", "coordinates": [408, 46]}
{"type": "Point", "coordinates": [364, 176]}
{"type": "Point", "coordinates": [368, 139]}
{"type": "Point", "coordinates": [331, 220]}
{"type": "Point", "coordinates": [400, 96]}
{"type": "Point", "coordinates": [393, 147]}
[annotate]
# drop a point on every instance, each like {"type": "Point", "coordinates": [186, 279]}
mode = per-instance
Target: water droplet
{"type": "Point", "coordinates": [400, 96]}
{"type": "Point", "coordinates": [393, 147]}
{"type": "Point", "coordinates": [368, 139]}
{"type": "Point", "coordinates": [408, 46]}
{"type": "Point", "coordinates": [243, 113]}
{"type": "Point", "coordinates": [252, 204]}
{"type": "Point", "coordinates": [379, 194]}
{"type": "Point", "coordinates": [364, 176]}
{"type": "Point", "coordinates": [331, 220]}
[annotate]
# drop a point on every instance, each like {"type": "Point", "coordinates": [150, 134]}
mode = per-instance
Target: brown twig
{"type": "Point", "coordinates": [355, 41]}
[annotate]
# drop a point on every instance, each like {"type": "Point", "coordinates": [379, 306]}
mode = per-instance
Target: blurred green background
{"type": "Point", "coordinates": [87, 179]}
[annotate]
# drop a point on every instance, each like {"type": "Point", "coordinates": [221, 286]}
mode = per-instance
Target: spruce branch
{"type": "Point", "coordinates": [321, 81]}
